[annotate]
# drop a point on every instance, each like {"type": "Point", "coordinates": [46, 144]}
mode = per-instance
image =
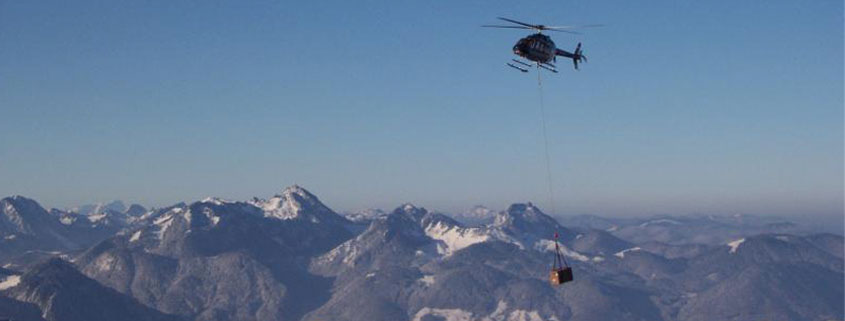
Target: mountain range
{"type": "Point", "coordinates": [291, 257]}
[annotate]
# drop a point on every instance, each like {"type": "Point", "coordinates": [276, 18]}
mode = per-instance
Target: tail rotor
{"type": "Point", "coordinates": [577, 56]}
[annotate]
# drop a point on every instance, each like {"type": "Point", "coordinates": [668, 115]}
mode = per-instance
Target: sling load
{"type": "Point", "coordinates": [561, 271]}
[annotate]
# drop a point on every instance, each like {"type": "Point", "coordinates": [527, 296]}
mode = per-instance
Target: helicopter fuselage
{"type": "Point", "coordinates": [540, 48]}
{"type": "Point", "coordinates": [537, 47]}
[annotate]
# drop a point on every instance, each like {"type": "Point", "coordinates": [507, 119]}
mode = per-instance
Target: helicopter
{"type": "Point", "coordinates": [540, 48]}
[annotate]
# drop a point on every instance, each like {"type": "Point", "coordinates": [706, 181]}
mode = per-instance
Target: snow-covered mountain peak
{"type": "Point", "coordinates": [215, 200]}
{"type": "Point", "coordinates": [17, 201]}
{"type": "Point", "coordinates": [21, 214]}
{"type": "Point", "coordinates": [135, 210]}
{"type": "Point", "coordinates": [523, 213]}
{"type": "Point", "coordinates": [528, 224]}
{"type": "Point", "coordinates": [296, 192]}
{"type": "Point", "coordinates": [11, 214]}
{"type": "Point", "coordinates": [524, 208]}
{"type": "Point", "coordinates": [17, 197]}
{"type": "Point", "coordinates": [409, 210]}
{"type": "Point", "coordinates": [292, 203]}
{"type": "Point", "coordinates": [297, 203]}
{"type": "Point", "coordinates": [210, 211]}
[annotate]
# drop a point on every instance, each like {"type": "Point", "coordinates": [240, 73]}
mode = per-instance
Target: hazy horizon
{"type": "Point", "coordinates": [801, 218]}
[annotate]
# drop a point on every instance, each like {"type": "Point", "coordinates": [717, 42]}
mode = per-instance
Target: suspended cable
{"type": "Point", "coordinates": [561, 272]}
{"type": "Point", "coordinates": [546, 143]}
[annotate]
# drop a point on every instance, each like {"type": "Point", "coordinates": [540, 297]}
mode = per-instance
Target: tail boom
{"type": "Point", "coordinates": [576, 56]}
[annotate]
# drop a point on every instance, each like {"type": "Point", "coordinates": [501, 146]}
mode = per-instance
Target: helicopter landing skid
{"type": "Point", "coordinates": [523, 66]}
{"type": "Point", "coordinates": [516, 67]}
{"type": "Point", "coordinates": [522, 63]}
{"type": "Point", "coordinates": [548, 67]}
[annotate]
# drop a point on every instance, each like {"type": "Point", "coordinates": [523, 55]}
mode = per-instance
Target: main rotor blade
{"type": "Point", "coordinates": [576, 27]}
{"type": "Point", "coordinates": [509, 27]}
{"type": "Point", "coordinates": [563, 30]}
{"type": "Point", "coordinates": [520, 23]}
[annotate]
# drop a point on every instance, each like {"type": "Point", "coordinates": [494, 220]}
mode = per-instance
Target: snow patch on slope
{"type": "Point", "coordinates": [621, 254]}
{"type": "Point", "coordinates": [104, 262]}
{"type": "Point", "coordinates": [275, 207]}
{"type": "Point", "coordinates": [446, 314]}
{"type": "Point", "coordinates": [427, 280]}
{"type": "Point", "coordinates": [500, 314]}
{"type": "Point", "coordinates": [348, 252]}
{"type": "Point", "coordinates": [212, 217]}
{"type": "Point", "coordinates": [454, 238]}
{"type": "Point", "coordinates": [135, 236]}
{"type": "Point", "coordinates": [660, 221]}
{"type": "Point", "coordinates": [735, 245]}
{"type": "Point", "coordinates": [523, 315]}
{"type": "Point", "coordinates": [163, 224]}
{"type": "Point", "coordinates": [67, 220]}
{"type": "Point", "coordinates": [10, 282]}
{"type": "Point", "coordinates": [96, 217]}
{"type": "Point", "coordinates": [549, 246]}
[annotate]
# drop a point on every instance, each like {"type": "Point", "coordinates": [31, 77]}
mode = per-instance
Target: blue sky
{"type": "Point", "coordinates": [684, 106]}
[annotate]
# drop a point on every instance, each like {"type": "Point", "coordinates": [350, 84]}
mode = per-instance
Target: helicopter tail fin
{"type": "Point", "coordinates": [576, 56]}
